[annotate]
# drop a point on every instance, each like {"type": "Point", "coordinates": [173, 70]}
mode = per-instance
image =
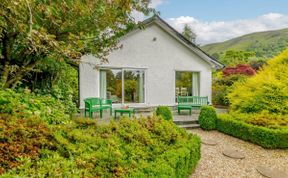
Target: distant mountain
{"type": "Point", "coordinates": [265, 44]}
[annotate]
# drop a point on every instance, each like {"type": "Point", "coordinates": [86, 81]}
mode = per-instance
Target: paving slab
{"type": "Point", "coordinates": [209, 142]}
{"type": "Point", "coordinates": [271, 172]}
{"type": "Point", "coordinates": [233, 153]}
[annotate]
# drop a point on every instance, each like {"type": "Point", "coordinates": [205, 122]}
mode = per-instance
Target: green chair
{"type": "Point", "coordinates": [97, 105]}
{"type": "Point", "coordinates": [107, 104]}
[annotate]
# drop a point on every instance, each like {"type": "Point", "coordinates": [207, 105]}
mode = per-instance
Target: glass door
{"type": "Point", "coordinates": [123, 85]}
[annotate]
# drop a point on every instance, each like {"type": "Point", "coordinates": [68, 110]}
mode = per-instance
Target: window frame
{"type": "Point", "coordinates": [123, 69]}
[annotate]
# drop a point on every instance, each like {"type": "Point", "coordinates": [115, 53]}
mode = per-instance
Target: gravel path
{"type": "Point", "coordinates": [215, 165]}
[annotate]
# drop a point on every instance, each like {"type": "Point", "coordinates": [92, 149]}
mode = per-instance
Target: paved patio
{"type": "Point", "coordinates": [107, 118]}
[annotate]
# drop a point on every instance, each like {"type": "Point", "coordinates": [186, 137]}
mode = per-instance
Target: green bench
{"type": "Point", "coordinates": [97, 105]}
{"type": "Point", "coordinates": [190, 102]}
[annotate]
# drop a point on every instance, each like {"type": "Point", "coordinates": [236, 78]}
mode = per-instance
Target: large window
{"type": "Point", "coordinates": [187, 83]}
{"type": "Point", "coordinates": [122, 85]}
{"type": "Point", "coordinates": [111, 84]}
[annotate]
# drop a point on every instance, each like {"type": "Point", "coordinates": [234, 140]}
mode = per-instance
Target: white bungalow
{"type": "Point", "coordinates": [154, 66]}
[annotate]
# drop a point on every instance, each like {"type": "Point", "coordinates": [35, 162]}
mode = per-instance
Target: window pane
{"type": "Point", "coordinates": [111, 84]}
{"type": "Point", "coordinates": [183, 83]}
{"type": "Point", "coordinates": [187, 84]}
{"type": "Point", "coordinates": [134, 86]}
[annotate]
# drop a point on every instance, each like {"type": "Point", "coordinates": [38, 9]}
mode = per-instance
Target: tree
{"type": "Point", "coordinates": [233, 57]}
{"type": "Point", "coordinates": [63, 30]}
{"type": "Point", "coordinates": [189, 34]}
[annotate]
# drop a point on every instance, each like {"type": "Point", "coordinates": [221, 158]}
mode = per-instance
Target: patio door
{"type": "Point", "coordinates": [187, 83]}
{"type": "Point", "coordinates": [123, 85]}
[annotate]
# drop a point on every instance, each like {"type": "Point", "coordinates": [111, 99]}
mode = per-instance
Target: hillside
{"type": "Point", "coordinates": [265, 44]}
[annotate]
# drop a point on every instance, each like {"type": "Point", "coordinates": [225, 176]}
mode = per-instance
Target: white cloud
{"type": "Point", "coordinates": [218, 31]}
{"type": "Point", "coordinates": [153, 4]}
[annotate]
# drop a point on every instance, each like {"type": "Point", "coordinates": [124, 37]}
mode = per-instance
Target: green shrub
{"type": "Point", "coordinates": [21, 138]}
{"type": "Point", "coordinates": [58, 79]}
{"type": "Point", "coordinates": [265, 137]}
{"type": "Point", "coordinates": [222, 86]}
{"type": "Point", "coordinates": [145, 147]}
{"type": "Point", "coordinates": [267, 90]}
{"type": "Point", "coordinates": [26, 104]}
{"type": "Point", "coordinates": [265, 119]}
{"type": "Point", "coordinates": [164, 112]}
{"type": "Point", "coordinates": [207, 118]}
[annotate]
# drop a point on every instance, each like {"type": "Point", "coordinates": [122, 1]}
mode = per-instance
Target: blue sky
{"type": "Point", "coordinates": [221, 9]}
{"type": "Point", "coordinates": [221, 20]}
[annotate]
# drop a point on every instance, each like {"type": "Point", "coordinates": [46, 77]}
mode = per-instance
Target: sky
{"type": "Point", "coordinates": [221, 20]}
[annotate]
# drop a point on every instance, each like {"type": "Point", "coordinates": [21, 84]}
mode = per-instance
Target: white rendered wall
{"type": "Point", "coordinates": [160, 57]}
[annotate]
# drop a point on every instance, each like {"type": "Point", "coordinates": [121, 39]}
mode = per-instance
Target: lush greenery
{"type": "Point", "coordinates": [21, 138]}
{"type": "Point", "coordinates": [41, 43]}
{"type": "Point", "coordinates": [268, 90]}
{"type": "Point", "coordinates": [207, 118]}
{"type": "Point", "coordinates": [146, 147]}
{"type": "Point", "coordinates": [264, 119]}
{"type": "Point", "coordinates": [259, 106]}
{"type": "Point", "coordinates": [164, 112]}
{"type": "Point", "coordinates": [266, 137]}
{"type": "Point", "coordinates": [55, 78]}
{"type": "Point", "coordinates": [222, 85]}
{"type": "Point", "coordinates": [31, 31]}
{"type": "Point", "coordinates": [25, 104]}
{"type": "Point", "coordinates": [265, 45]}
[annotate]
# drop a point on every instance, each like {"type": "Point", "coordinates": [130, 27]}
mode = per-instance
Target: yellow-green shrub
{"type": "Point", "coordinates": [268, 90]}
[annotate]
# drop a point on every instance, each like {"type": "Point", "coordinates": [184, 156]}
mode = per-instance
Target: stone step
{"type": "Point", "coordinates": [189, 126]}
{"type": "Point", "coordinates": [182, 121]}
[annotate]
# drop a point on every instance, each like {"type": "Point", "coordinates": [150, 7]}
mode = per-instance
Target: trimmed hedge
{"type": "Point", "coordinates": [165, 112]}
{"type": "Point", "coordinates": [176, 163]}
{"type": "Point", "coordinates": [207, 118]}
{"type": "Point", "coordinates": [265, 137]}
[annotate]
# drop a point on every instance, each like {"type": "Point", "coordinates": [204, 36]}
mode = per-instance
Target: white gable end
{"type": "Point", "coordinates": [160, 54]}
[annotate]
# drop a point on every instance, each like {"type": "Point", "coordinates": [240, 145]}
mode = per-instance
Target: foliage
{"type": "Point", "coordinates": [264, 119]}
{"type": "Point", "coordinates": [233, 57]}
{"type": "Point", "coordinates": [264, 44]}
{"type": "Point", "coordinates": [31, 31]}
{"type": "Point", "coordinates": [21, 138]}
{"type": "Point", "coordinates": [25, 104]}
{"type": "Point", "coordinates": [164, 112]}
{"type": "Point", "coordinates": [265, 137]}
{"type": "Point", "coordinates": [268, 90]}
{"type": "Point", "coordinates": [146, 147]}
{"type": "Point", "coordinates": [243, 69]}
{"type": "Point", "coordinates": [188, 33]}
{"type": "Point", "coordinates": [58, 79]}
{"type": "Point", "coordinates": [222, 86]}
{"type": "Point", "coordinates": [257, 64]}
{"type": "Point", "coordinates": [207, 118]}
